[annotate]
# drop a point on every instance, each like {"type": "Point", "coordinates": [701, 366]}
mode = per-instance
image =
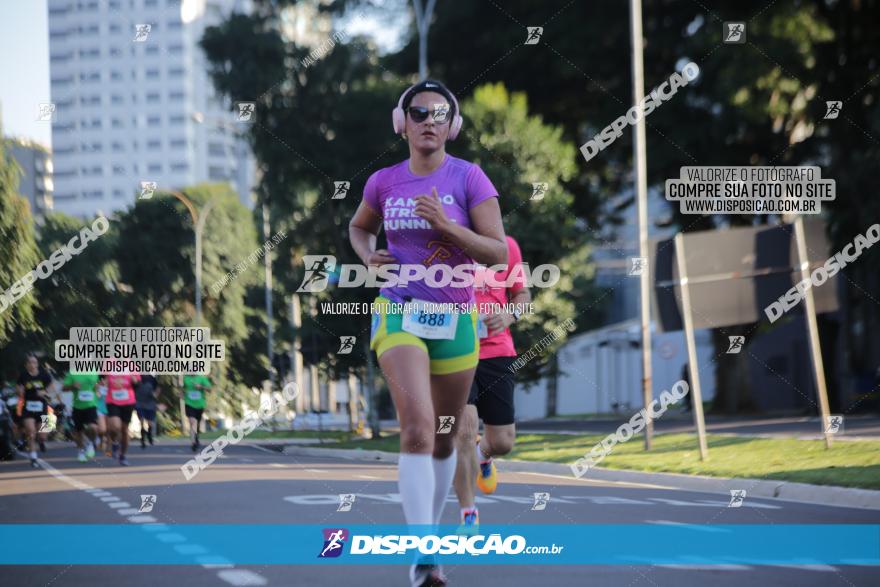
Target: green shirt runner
{"type": "Point", "coordinates": [195, 398]}
{"type": "Point", "coordinates": [85, 397]}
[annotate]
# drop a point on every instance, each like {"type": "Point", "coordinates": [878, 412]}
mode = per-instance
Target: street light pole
{"type": "Point", "coordinates": [270, 331]}
{"type": "Point", "coordinates": [200, 229]}
{"type": "Point", "coordinates": [198, 221]}
{"type": "Point", "coordinates": [640, 172]}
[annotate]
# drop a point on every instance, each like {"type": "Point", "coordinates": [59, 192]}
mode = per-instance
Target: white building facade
{"type": "Point", "coordinates": [134, 103]}
{"type": "Point", "coordinates": [36, 183]}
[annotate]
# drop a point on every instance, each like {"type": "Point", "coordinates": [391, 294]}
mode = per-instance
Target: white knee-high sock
{"type": "Point", "coordinates": [444, 472]}
{"type": "Point", "coordinates": [416, 486]}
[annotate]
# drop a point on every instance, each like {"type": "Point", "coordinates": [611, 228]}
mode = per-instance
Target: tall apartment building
{"type": "Point", "coordinates": [134, 103]}
{"type": "Point", "coordinates": [35, 182]}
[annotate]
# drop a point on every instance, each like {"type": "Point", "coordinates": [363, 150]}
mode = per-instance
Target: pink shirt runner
{"type": "Point", "coordinates": [501, 344]}
{"type": "Point", "coordinates": [120, 388]}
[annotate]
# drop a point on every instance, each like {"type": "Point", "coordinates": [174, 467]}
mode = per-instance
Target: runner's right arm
{"type": "Point", "coordinates": [362, 232]}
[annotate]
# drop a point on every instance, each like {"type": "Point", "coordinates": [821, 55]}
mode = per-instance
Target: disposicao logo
{"type": "Point", "coordinates": [334, 541]}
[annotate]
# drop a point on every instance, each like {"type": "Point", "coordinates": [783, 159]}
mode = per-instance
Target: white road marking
{"type": "Point", "coordinates": [212, 559]}
{"type": "Point", "coordinates": [368, 477]}
{"type": "Point", "coordinates": [750, 503]}
{"type": "Point", "coordinates": [128, 512]}
{"type": "Point", "coordinates": [316, 471]}
{"type": "Point", "coordinates": [811, 567]}
{"type": "Point", "coordinates": [229, 574]}
{"type": "Point", "coordinates": [591, 481]}
{"type": "Point", "coordinates": [607, 499]}
{"type": "Point", "coordinates": [278, 465]}
{"type": "Point", "coordinates": [242, 577]}
{"type": "Point", "coordinates": [704, 503]}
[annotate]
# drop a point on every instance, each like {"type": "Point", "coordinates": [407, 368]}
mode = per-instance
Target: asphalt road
{"type": "Point", "coordinates": [255, 486]}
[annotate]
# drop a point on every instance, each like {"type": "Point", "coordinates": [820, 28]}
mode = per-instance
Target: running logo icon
{"type": "Point", "coordinates": [340, 189]}
{"type": "Point", "coordinates": [446, 423]}
{"type": "Point", "coordinates": [346, 345]}
{"type": "Point", "coordinates": [47, 423]}
{"type": "Point", "coordinates": [346, 500]}
{"type": "Point", "coordinates": [318, 268]}
{"type": "Point", "coordinates": [534, 34]}
{"type": "Point", "coordinates": [147, 189]}
{"type": "Point", "coordinates": [246, 111]}
{"type": "Point", "coordinates": [538, 190]}
{"type": "Point", "coordinates": [541, 501]}
{"type": "Point", "coordinates": [141, 32]}
{"type": "Point", "coordinates": [736, 344]}
{"type": "Point", "coordinates": [334, 541]}
{"type": "Point", "coordinates": [833, 424]}
{"type": "Point", "coordinates": [832, 109]}
{"type": "Point", "coordinates": [147, 503]}
{"type": "Point", "coordinates": [46, 112]}
{"type": "Point", "coordinates": [734, 33]}
{"type": "Point", "coordinates": [736, 498]}
{"type": "Point", "coordinates": [637, 265]}
{"type": "Point", "coordinates": [441, 113]}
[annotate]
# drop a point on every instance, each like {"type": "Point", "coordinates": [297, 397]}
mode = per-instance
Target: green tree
{"type": "Point", "coordinates": [760, 103]}
{"type": "Point", "coordinates": [82, 293]}
{"type": "Point", "coordinates": [18, 250]}
{"type": "Point", "coordinates": [156, 260]}
{"type": "Point", "coordinates": [517, 150]}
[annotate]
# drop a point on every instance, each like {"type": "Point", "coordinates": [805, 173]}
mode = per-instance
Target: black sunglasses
{"type": "Point", "coordinates": [420, 114]}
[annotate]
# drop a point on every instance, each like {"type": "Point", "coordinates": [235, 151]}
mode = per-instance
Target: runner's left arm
{"type": "Point", "coordinates": [501, 321]}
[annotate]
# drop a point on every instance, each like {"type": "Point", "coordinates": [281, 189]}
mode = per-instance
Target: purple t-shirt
{"type": "Point", "coordinates": [390, 192]}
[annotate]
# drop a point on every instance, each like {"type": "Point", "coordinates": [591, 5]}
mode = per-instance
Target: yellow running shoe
{"type": "Point", "coordinates": [487, 478]}
{"type": "Point", "coordinates": [470, 522]}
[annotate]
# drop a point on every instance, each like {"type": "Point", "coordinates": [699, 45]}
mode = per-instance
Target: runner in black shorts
{"type": "Point", "coordinates": [491, 396]}
{"type": "Point", "coordinates": [34, 386]}
{"type": "Point", "coordinates": [145, 405]}
{"type": "Point", "coordinates": [85, 412]}
{"type": "Point", "coordinates": [194, 388]}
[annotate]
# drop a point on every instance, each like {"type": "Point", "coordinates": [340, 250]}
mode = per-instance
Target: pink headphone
{"type": "Point", "coordinates": [398, 116]}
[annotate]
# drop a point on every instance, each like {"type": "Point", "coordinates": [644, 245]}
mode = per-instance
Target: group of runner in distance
{"type": "Point", "coordinates": [103, 405]}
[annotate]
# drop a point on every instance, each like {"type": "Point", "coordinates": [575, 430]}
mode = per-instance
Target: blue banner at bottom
{"type": "Point", "coordinates": [643, 544]}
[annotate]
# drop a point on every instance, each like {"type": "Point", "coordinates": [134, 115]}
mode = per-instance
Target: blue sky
{"type": "Point", "coordinates": [24, 60]}
{"type": "Point", "coordinates": [24, 68]}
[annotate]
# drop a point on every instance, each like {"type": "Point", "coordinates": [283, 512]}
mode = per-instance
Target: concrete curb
{"type": "Point", "coordinates": [830, 496]}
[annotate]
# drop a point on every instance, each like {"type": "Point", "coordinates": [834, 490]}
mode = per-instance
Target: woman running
{"type": "Point", "coordinates": [437, 211]}
{"type": "Point", "coordinates": [85, 412]}
{"type": "Point", "coordinates": [120, 406]}
{"type": "Point", "coordinates": [34, 388]}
